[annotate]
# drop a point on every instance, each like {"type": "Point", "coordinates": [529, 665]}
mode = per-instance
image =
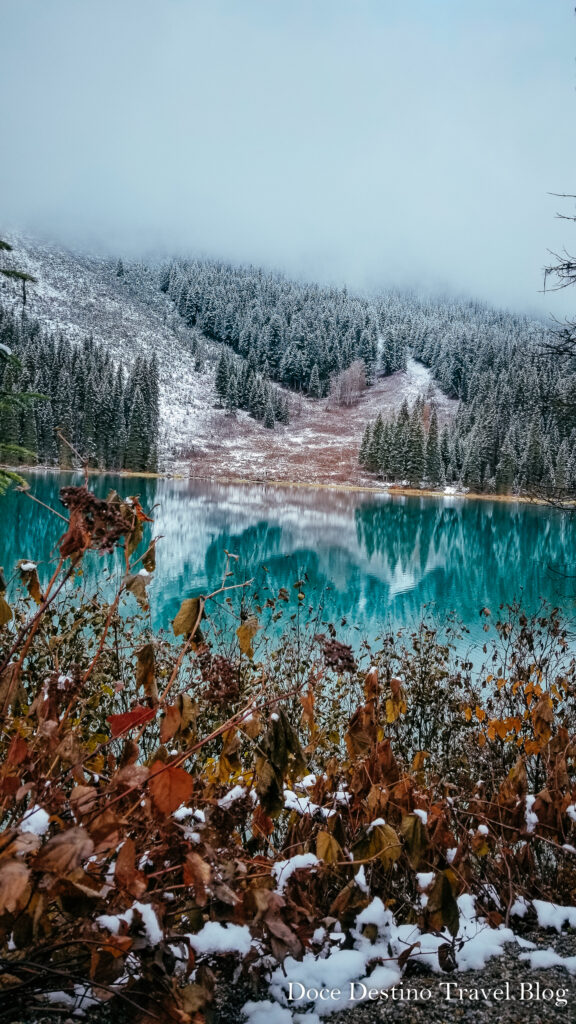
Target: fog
{"type": "Point", "coordinates": [372, 142]}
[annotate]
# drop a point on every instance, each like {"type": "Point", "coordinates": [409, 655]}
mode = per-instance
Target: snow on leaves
{"type": "Point", "coordinates": [234, 823]}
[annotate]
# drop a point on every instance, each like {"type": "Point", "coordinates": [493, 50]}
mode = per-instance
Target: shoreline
{"type": "Point", "coordinates": [387, 490]}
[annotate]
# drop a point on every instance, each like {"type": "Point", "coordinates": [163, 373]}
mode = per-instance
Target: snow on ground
{"type": "Point", "coordinates": [321, 443]}
{"type": "Point", "coordinates": [305, 991]}
{"type": "Point", "coordinates": [81, 295]}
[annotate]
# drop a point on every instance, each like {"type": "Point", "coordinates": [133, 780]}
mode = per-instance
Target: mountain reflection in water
{"type": "Point", "coordinates": [369, 559]}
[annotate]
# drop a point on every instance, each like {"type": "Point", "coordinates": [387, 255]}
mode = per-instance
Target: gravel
{"type": "Point", "coordinates": [435, 1009]}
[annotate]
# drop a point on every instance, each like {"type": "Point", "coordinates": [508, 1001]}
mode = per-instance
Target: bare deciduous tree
{"type": "Point", "coordinates": [347, 387]}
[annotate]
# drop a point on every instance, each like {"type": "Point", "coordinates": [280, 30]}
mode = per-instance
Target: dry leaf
{"type": "Point", "coordinates": [125, 872]}
{"type": "Point", "coordinates": [414, 833]}
{"type": "Point", "coordinates": [65, 852]}
{"type": "Point", "coordinates": [171, 722]}
{"type": "Point", "coordinates": [246, 632]}
{"type": "Point", "coordinates": [130, 719]}
{"type": "Point", "coordinates": [6, 612]}
{"type": "Point", "coordinates": [30, 580]}
{"type": "Point", "coordinates": [189, 616]}
{"type": "Point", "coordinates": [14, 877]}
{"type": "Point", "coordinates": [170, 786]}
{"type": "Point", "coordinates": [385, 844]}
{"type": "Point", "coordinates": [197, 873]}
{"type": "Point", "coordinates": [442, 909]}
{"type": "Point", "coordinates": [149, 559]}
{"type": "Point", "coordinates": [136, 584]}
{"type": "Point", "coordinates": [145, 672]}
{"type": "Point", "coordinates": [328, 848]}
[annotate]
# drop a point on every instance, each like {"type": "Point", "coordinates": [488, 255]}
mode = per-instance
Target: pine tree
{"type": "Point", "coordinates": [506, 468]}
{"type": "Point", "coordinates": [561, 475]}
{"type": "Point", "coordinates": [138, 442]}
{"type": "Point", "coordinates": [269, 416]}
{"type": "Point", "coordinates": [533, 467]}
{"type": "Point", "coordinates": [368, 355]}
{"type": "Point", "coordinates": [434, 468]}
{"type": "Point", "coordinates": [472, 471]}
{"type": "Point", "coordinates": [415, 451]}
{"type": "Point", "coordinates": [386, 442]}
{"type": "Point", "coordinates": [314, 388]}
{"type": "Point", "coordinates": [222, 377]}
{"type": "Point", "coordinates": [365, 446]}
{"type": "Point", "coordinates": [232, 393]}
{"type": "Point", "coordinates": [373, 455]}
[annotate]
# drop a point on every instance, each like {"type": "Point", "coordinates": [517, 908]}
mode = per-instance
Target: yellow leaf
{"type": "Point", "coordinates": [328, 848]}
{"type": "Point", "coordinates": [385, 844]}
{"type": "Point", "coordinates": [394, 708]}
{"type": "Point", "coordinates": [246, 632]}
{"type": "Point", "coordinates": [188, 616]}
{"type": "Point", "coordinates": [5, 611]}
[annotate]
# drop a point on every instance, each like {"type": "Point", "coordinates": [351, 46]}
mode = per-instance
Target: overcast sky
{"type": "Point", "coordinates": [377, 142]}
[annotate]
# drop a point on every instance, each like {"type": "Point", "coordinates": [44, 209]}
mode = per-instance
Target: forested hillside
{"type": "Point", "coordinates": [515, 428]}
{"type": "Point", "coordinates": [110, 416]}
{"type": "Point", "coordinates": [236, 370]}
{"type": "Point", "coordinates": [298, 334]}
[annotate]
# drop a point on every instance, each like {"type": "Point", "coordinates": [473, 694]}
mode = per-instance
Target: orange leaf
{"type": "Point", "coordinates": [170, 786]}
{"type": "Point", "coordinates": [170, 723]}
{"type": "Point", "coordinates": [196, 872]}
{"type": "Point", "coordinates": [307, 702]}
{"type": "Point", "coordinates": [137, 508]}
{"type": "Point", "coordinates": [125, 872]}
{"type": "Point", "coordinates": [261, 823]}
{"type": "Point", "coordinates": [480, 713]}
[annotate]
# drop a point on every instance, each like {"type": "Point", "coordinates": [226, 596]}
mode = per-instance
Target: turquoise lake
{"type": "Point", "coordinates": [369, 561]}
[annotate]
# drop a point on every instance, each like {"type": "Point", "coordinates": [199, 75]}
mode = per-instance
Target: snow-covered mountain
{"type": "Point", "coordinates": [83, 295]}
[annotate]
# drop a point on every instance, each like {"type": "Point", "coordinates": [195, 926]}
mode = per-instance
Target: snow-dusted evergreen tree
{"type": "Point", "coordinates": [365, 447]}
{"type": "Point", "coordinates": [288, 326]}
{"type": "Point", "coordinates": [87, 398]}
{"type": "Point", "coordinates": [434, 467]}
{"type": "Point", "coordinates": [506, 468]}
{"type": "Point", "coordinates": [415, 450]}
{"type": "Point", "coordinates": [314, 386]}
{"type": "Point", "coordinates": [137, 443]}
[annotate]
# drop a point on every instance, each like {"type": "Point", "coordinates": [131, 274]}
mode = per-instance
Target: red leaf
{"type": "Point", "coordinates": [17, 751]}
{"type": "Point", "coordinates": [170, 786]}
{"type": "Point", "coordinates": [139, 715]}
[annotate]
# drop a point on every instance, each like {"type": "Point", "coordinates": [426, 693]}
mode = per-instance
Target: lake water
{"type": "Point", "coordinates": [370, 561]}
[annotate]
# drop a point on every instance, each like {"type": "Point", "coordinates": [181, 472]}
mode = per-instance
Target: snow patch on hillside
{"type": "Point", "coordinates": [80, 295]}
